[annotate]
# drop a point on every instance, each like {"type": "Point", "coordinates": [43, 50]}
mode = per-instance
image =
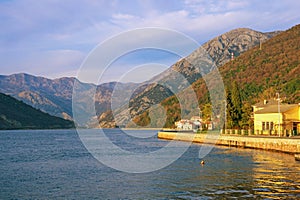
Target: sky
{"type": "Point", "coordinates": [52, 38]}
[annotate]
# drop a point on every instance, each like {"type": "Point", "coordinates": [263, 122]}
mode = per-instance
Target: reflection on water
{"type": "Point", "coordinates": [238, 173]}
{"type": "Point", "coordinates": [273, 177]}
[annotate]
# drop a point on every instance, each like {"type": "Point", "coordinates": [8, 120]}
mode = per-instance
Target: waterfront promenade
{"type": "Point", "coordinates": [281, 144]}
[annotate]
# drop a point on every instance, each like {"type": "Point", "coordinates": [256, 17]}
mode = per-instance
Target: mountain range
{"type": "Point", "coordinates": [219, 49]}
{"type": "Point", "coordinates": [55, 96]}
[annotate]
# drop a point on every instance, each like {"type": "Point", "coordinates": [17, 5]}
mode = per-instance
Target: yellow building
{"type": "Point", "coordinates": [273, 118]}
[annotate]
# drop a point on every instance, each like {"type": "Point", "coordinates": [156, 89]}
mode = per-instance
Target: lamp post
{"type": "Point", "coordinates": [278, 99]}
{"type": "Point", "coordinates": [225, 114]}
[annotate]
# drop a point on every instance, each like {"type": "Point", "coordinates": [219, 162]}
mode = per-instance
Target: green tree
{"type": "Point", "coordinates": [234, 106]}
{"type": "Point", "coordinates": [207, 112]}
{"type": "Point", "coordinates": [236, 110]}
{"type": "Point", "coordinates": [236, 100]}
{"type": "Point", "coordinates": [246, 120]}
{"type": "Point", "coordinates": [229, 110]}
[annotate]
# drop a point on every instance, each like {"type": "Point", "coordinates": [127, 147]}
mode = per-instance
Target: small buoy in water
{"type": "Point", "coordinates": [202, 162]}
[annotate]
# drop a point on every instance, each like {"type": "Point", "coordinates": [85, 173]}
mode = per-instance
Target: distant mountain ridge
{"type": "Point", "coordinates": [55, 96]}
{"type": "Point", "coordinates": [15, 114]}
{"type": "Point", "coordinates": [51, 96]}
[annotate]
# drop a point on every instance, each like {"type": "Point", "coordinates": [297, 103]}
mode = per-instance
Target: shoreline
{"type": "Point", "coordinates": [284, 145]}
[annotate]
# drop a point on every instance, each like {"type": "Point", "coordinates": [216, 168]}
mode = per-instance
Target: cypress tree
{"type": "Point", "coordinates": [229, 108]}
{"type": "Point", "coordinates": [246, 121]}
{"type": "Point", "coordinates": [236, 104]}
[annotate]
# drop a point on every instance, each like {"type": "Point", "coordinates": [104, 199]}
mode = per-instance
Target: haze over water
{"type": "Point", "coordinates": [53, 164]}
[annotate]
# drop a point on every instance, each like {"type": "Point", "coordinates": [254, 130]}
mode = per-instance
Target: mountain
{"type": "Point", "coordinates": [221, 49]}
{"type": "Point", "coordinates": [55, 96]}
{"type": "Point", "coordinates": [237, 42]}
{"type": "Point", "coordinates": [260, 73]}
{"type": "Point", "coordinates": [15, 114]}
{"type": "Point", "coordinates": [51, 96]}
{"type": "Point", "coordinates": [275, 67]}
{"type": "Point", "coordinates": [218, 50]}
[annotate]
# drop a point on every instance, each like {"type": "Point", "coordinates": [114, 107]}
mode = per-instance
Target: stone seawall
{"type": "Point", "coordinates": [286, 145]}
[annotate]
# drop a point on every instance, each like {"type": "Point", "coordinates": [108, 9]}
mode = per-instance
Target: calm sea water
{"type": "Point", "coordinates": [53, 164]}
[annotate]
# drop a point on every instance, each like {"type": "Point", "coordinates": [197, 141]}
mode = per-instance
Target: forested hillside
{"type": "Point", "coordinates": [260, 73]}
{"type": "Point", "coordinates": [275, 67]}
{"type": "Point", "coordinates": [15, 114]}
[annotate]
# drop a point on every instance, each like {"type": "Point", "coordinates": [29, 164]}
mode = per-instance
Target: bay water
{"type": "Point", "coordinates": [54, 164]}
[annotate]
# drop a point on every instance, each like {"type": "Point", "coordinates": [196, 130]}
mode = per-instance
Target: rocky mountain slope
{"type": "Point", "coordinates": [51, 96]}
{"type": "Point", "coordinates": [15, 114]}
{"type": "Point", "coordinates": [219, 50]}
{"type": "Point", "coordinates": [237, 42]}
{"type": "Point", "coordinates": [260, 73]}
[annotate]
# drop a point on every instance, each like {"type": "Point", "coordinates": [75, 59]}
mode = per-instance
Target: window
{"type": "Point", "coordinates": [272, 126]}
{"type": "Point", "coordinates": [267, 126]}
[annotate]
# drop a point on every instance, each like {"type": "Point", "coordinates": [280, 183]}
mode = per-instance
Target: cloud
{"type": "Point", "coordinates": [58, 34]}
{"type": "Point", "coordinates": [44, 63]}
{"type": "Point", "coordinates": [215, 6]}
{"type": "Point", "coordinates": [120, 16]}
{"type": "Point", "coordinates": [204, 19]}
{"type": "Point", "coordinates": [202, 28]}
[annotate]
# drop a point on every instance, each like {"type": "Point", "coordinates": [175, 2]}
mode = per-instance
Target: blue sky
{"type": "Point", "coordinates": [51, 38]}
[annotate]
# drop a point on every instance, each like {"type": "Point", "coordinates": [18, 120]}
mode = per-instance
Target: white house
{"type": "Point", "coordinates": [184, 124]}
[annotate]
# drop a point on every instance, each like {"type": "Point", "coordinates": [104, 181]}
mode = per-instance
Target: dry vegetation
{"type": "Point", "coordinates": [259, 73]}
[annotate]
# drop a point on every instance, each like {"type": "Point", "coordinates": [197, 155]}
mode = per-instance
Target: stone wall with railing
{"type": "Point", "coordinates": [282, 144]}
{"type": "Point", "coordinates": [283, 133]}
